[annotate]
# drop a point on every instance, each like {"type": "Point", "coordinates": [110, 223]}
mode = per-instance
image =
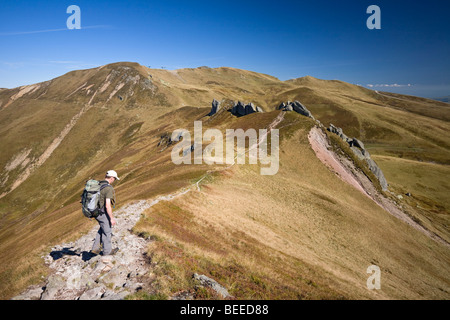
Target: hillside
{"type": "Point", "coordinates": [302, 233]}
{"type": "Point", "coordinates": [445, 99]}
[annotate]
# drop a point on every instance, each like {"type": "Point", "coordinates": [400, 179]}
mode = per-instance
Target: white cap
{"type": "Point", "coordinates": [112, 173]}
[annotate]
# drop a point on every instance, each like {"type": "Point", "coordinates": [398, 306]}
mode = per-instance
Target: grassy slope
{"type": "Point", "coordinates": [134, 126]}
{"type": "Point", "coordinates": [298, 234]}
{"type": "Point", "coordinates": [49, 199]}
{"type": "Point", "coordinates": [392, 129]}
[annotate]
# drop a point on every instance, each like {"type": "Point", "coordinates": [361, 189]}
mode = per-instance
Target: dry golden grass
{"type": "Point", "coordinates": [299, 234]}
{"type": "Point", "coordinates": [429, 187]}
{"type": "Point", "coordinates": [301, 239]}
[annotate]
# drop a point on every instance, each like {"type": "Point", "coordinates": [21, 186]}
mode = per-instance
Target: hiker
{"type": "Point", "coordinates": [105, 218]}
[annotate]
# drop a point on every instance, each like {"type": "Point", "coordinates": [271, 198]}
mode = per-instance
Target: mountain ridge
{"type": "Point", "coordinates": [53, 139]}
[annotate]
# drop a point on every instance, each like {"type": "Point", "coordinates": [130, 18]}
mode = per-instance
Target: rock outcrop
{"type": "Point", "coordinates": [213, 284]}
{"type": "Point", "coordinates": [356, 145]}
{"type": "Point", "coordinates": [297, 107]}
{"type": "Point", "coordinates": [215, 106]}
{"type": "Point", "coordinates": [358, 148]}
{"type": "Point", "coordinates": [238, 109]}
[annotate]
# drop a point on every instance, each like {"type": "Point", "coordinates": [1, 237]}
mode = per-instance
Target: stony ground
{"type": "Point", "coordinates": [77, 274]}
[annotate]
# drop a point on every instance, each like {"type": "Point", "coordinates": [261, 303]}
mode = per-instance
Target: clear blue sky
{"type": "Point", "coordinates": [286, 39]}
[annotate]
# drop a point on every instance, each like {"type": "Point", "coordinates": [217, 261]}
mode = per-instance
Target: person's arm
{"type": "Point", "coordinates": [109, 211]}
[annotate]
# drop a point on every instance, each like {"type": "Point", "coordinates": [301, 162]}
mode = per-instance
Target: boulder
{"type": "Point", "coordinates": [117, 277]}
{"type": "Point", "coordinates": [208, 282]}
{"type": "Point", "coordinates": [93, 294]}
{"type": "Point", "coordinates": [297, 107]}
{"type": "Point", "coordinates": [378, 173]}
{"type": "Point", "coordinates": [33, 293]}
{"type": "Point", "coordinates": [215, 106]}
{"type": "Point", "coordinates": [240, 109]}
{"type": "Point", "coordinates": [336, 130]}
{"type": "Point", "coordinates": [250, 108]}
{"type": "Point", "coordinates": [358, 143]}
{"type": "Point", "coordinates": [54, 285]}
{"type": "Point", "coordinates": [331, 128]}
{"type": "Point", "coordinates": [358, 153]}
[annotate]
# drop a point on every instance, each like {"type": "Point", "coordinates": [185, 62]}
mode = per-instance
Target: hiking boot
{"type": "Point", "coordinates": [95, 252]}
{"type": "Point", "coordinates": [114, 251]}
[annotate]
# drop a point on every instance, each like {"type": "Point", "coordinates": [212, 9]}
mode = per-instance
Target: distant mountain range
{"type": "Point", "coordinates": [443, 99]}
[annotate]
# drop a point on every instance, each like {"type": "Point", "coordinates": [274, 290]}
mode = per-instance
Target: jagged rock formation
{"type": "Point", "coordinates": [297, 107]}
{"type": "Point", "coordinates": [238, 109]}
{"type": "Point", "coordinates": [215, 106]}
{"type": "Point", "coordinates": [356, 145]}
{"type": "Point", "coordinates": [360, 151]}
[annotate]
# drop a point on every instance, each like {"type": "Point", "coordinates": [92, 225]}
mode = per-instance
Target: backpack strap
{"type": "Point", "coordinates": [103, 186]}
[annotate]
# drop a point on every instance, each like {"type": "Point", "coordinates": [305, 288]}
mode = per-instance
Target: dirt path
{"type": "Point", "coordinates": [77, 275]}
{"type": "Point", "coordinates": [391, 97]}
{"type": "Point", "coordinates": [261, 139]}
{"type": "Point", "coordinates": [346, 170]}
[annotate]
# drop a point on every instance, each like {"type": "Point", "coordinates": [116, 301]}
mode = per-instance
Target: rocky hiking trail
{"type": "Point", "coordinates": [78, 275]}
